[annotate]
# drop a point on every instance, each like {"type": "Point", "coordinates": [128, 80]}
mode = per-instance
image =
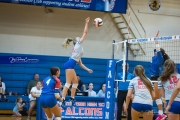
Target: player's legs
{"type": "Point", "coordinates": [148, 115]}
{"type": "Point", "coordinates": [48, 113]}
{"type": "Point", "coordinates": [157, 99]}
{"type": "Point", "coordinates": [135, 114]}
{"type": "Point", "coordinates": [172, 116]}
{"type": "Point", "coordinates": [31, 108]}
{"type": "Point", "coordinates": [75, 84]}
{"type": "Point", "coordinates": [56, 111]}
{"type": "Point", "coordinates": [120, 102]}
{"type": "Point", "coordinates": [69, 77]}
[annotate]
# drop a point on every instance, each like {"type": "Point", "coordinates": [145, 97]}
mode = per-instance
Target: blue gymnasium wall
{"type": "Point", "coordinates": [17, 76]}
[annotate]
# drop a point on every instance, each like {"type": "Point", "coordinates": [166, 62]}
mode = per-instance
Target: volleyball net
{"type": "Point", "coordinates": [140, 52]}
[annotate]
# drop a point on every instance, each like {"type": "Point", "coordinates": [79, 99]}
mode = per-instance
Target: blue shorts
{"type": "Point", "coordinates": [70, 64]}
{"type": "Point", "coordinates": [141, 107]}
{"type": "Point", "coordinates": [175, 107]}
{"type": "Point", "coordinates": [48, 101]}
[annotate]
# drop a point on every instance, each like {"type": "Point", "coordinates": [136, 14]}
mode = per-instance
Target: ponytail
{"type": "Point", "coordinates": [139, 70]}
{"type": "Point", "coordinates": [67, 42]}
{"type": "Point", "coordinates": [165, 56]}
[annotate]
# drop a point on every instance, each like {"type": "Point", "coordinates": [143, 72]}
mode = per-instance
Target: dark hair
{"type": "Point", "coordinates": [165, 56]}
{"type": "Point", "coordinates": [139, 70]}
{"type": "Point", "coordinates": [54, 70]}
{"type": "Point", "coordinates": [169, 68]}
{"type": "Point", "coordinates": [1, 78]}
{"type": "Point", "coordinates": [77, 75]}
{"type": "Point", "coordinates": [17, 100]}
{"type": "Point", "coordinates": [102, 86]}
{"type": "Point", "coordinates": [38, 82]}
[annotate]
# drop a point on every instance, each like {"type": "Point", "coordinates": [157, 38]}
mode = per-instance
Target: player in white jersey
{"type": "Point", "coordinates": [167, 83]}
{"type": "Point", "coordinates": [76, 55]}
{"type": "Point", "coordinates": [143, 95]}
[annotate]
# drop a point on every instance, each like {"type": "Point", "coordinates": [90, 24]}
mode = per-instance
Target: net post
{"type": "Point", "coordinates": [127, 46]}
{"type": "Point", "coordinates": [113, 49]}
{"type": "Point", "coordinates": [124, 60]}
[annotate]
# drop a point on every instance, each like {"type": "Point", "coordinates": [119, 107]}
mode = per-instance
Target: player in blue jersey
{"type": "Point", "coordinates": [75, 58]}
{"type": "Point", "coordinates": [156, 68]}
{"type": "Point", "coordinates": [50, 94]}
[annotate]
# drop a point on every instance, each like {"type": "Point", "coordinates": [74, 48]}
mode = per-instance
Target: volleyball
{"type": "Point", "coordinates": [98, 22]}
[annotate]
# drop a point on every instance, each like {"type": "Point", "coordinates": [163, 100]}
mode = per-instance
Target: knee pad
{"type": "Point", "coordinates": [58, 118]}
{"type": "Point", "coordinates": [67, 85]}
{"type": "Point", "coordinates": [158, 102]}
{"type": "Point", "coordinates": [75, 85]}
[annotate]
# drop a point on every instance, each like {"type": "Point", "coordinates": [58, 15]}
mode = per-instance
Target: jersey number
{"type": "Point", "coordinates": [48, 81]}
{"type": "Point", "coordinates": [140, 82]}
{"type": "Point", "coordinates": [173, 79]}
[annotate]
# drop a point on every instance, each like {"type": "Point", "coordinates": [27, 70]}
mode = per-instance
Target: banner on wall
{"type": "Point", "coordinates": [115, 6]}
{"type": "Point", "coordinates": [84, 110]}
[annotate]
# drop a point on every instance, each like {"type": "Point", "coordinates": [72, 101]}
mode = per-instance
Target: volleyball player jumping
{"type": "Point", "coordinates": [75, 58]}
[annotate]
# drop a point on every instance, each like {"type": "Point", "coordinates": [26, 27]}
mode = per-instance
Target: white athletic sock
{"type": "Point", "coordinates": [49, 119]}
{"type": "Point", "coordinates": [58, 118]}
{"type": "Point", "coordinates": [160, 112]}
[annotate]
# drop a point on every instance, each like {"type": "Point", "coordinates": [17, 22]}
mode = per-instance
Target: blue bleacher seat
{"type": "Point", "coordinates": [17, 76]}
{"type": "Point", "coordinates": [2, 106]}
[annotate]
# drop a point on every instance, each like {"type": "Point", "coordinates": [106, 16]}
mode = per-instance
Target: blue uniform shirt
{"type": "Point", "coordinates": [156, 63]}
{"type": "Point", "coordinates": [124, 85]}
{"type": "Point", "coordinates": [50, 85]}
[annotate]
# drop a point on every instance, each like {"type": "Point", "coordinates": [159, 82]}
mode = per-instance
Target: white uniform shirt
{"type": "Point", "coordinates": [142, 94]}
{"type": "Point", "coordinates": [3, 86]}
{"type": "Point", "coordinates": [169, 86]}
{"type": "Point", "coordinates": [77, 51]}
{"type": "Point", "coordinates": [91, 93]}
{"type": "Point", "coordinates": [36, 91]}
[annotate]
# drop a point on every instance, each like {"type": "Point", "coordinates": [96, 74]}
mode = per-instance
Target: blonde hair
{"type": "Point", "coordinates": [67, 42]}
{"type": "Point", "coordinates": [139, 70]}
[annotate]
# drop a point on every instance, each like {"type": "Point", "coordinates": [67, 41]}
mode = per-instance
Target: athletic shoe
{"type": "Point", "coordinates": [63, 105]}
{"type": "Point", "coordinates": [161, 117]}
{"type": "Point", "coordinates": [73, 102]}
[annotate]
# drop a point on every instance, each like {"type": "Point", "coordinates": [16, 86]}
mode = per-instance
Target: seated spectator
{"type": "Point", "coordinates": [18, 107]}
{"type": "Point", "coordinates": [81, 85]}
{"type": "Point", "coordinates": [2, 90]}
{"type": "Point", "coordinates": [32, 83]}
{"type": "Point", "coordinates": [91, 92]}
{"type": "Point", "coordinates": [35, 92]}
{"type": "Point", "coordinates": [102, 91]}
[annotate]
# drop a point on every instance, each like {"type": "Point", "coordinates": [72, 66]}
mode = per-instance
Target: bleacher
{"type": "Point", "coordinates": [17, 76]}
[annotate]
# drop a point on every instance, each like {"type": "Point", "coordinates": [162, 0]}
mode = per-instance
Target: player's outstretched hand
{"type": "Point", "coordinates": [87, 19]}
{"type": "Point", "coordinates": [90, 71]}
